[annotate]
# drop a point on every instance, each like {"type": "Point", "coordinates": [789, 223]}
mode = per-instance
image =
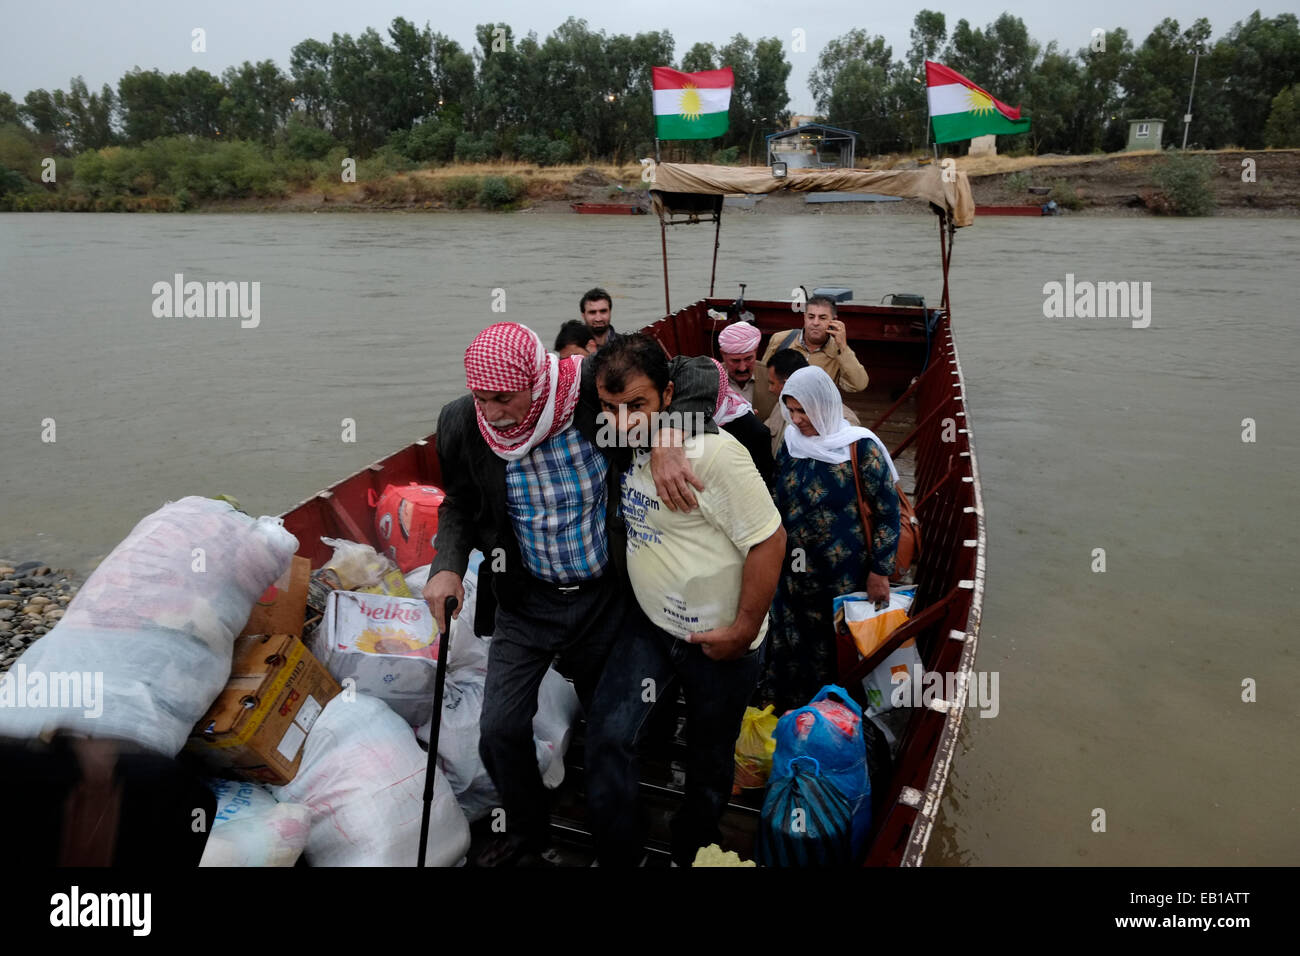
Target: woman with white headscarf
{"type": "Point", "coordinates": [816, 496]}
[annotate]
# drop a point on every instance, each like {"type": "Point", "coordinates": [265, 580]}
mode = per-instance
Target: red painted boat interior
{"type": "Point", "coordinates": [925, 428]}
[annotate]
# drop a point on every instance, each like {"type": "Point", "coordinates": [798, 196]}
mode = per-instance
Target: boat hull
{"type": "Point", "coordinates": [1010, 211]}
{"type": "Point", "coordinates": [606, 209]}
{"type": "Point", "coordinates": [917, 404]}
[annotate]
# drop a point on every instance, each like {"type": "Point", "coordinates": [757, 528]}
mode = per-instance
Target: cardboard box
{"type": "Point", "coordinates": [257, 725]}
{"type": "Point", "coordinates": [387, 645]}
{"type": "Point", "coordinates": [282, 610]}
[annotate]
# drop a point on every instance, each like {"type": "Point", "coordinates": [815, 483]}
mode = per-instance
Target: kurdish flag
{"type": "Point", "coordinates": [961, 110]}
{"type": "Point", "coordinates": [691, 105]}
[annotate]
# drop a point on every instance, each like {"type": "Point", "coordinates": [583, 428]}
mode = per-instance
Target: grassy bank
{"type": "Point", "coordinates": [179, 174]}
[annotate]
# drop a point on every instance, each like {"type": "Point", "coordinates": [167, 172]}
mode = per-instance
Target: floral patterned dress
{"type": "Point", "coordinates": [826, 555]}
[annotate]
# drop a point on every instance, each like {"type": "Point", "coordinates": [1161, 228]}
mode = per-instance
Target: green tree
{"type": "Point", "coordinates": [1098, 121]}
{"type": "Point", "coordinates": [1254, 61]}
{"type": "Point", "coordinates": [1283, 127]}
{"type": "Point", "coordinates": [700, 57]}
{"type": "Point", "coordinates": [41, 113]}
{"type": "Point", "coordinates": [495, 105]}
{"type": "Point", "coordinates": [453, 79]}
{"type": "Point", "coordinates": [144, 100]}
{"type": "Point", "coordinates": [1159, 76]}
{"type": "Point", "coordinates": [1052, 101]}
{"type": "Point", "coordinates": [409, 68]}
{"type": "Point", "coordinates": [257, 101]}
{"type": "Point", "coordinates": [770, 96]}
{"type": "Point", "coordinates": [195, 98]}
{"type": "Point", "coordinates": [309, 69]}
{"type": "Point", "coordinates": [8, 109]}
{"type": "Point", "coordinates": [856, 46]}
{"type": "Point", "coordinates": [362, 90]}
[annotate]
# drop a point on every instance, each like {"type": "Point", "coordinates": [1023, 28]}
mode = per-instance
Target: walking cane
{"type": "Point", "coordinates": [440, 678]}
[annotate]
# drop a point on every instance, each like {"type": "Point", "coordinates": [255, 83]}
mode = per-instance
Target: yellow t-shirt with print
{"type": "Point", "coordinates": [686, 568]}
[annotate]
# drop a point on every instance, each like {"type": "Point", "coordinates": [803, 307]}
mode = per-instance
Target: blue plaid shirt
{"type": "Point", "coordinates": [556, 499]}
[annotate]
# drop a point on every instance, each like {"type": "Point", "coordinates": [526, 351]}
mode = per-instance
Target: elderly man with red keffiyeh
{"type": "Point", "coordinates": [528, 485]}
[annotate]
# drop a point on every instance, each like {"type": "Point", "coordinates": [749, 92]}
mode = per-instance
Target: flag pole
{"type": "Point", "coordinates": [656, 150]}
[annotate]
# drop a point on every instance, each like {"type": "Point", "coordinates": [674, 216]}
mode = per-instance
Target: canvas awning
{"type": "Point", "coordinates": [676, 187]}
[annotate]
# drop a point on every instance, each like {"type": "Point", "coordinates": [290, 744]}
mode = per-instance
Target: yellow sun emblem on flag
{"type": "Point", "coordinates": [689, 106]}
{"type": "Point", "coordinates": [977, 102]}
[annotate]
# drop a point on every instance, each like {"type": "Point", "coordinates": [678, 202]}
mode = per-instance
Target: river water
{"type": "Point", "coordinates": [1120, 690]}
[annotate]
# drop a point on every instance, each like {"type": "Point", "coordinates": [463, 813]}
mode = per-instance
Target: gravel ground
{"type": "Point", "coordinates": [33, 597]}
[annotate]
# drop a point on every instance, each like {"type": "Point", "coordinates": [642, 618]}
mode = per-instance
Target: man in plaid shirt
{"type": "Point", "coordinates": [528, 484]}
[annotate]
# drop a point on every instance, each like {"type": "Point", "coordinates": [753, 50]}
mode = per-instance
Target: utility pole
{"type": "Point", "coordinates": [1187, 117]}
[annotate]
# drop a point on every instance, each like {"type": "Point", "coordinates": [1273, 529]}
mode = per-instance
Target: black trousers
{"type": "Point", "coordinates": [575, 630]}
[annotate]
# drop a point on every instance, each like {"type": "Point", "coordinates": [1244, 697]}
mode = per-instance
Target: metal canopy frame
{"type": "Point", "coordinates": [694, 208]}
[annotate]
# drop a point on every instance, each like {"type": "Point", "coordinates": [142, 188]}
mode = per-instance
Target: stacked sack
{"type": "Point", "coordinates": [362, 777]}
{"type": "Point", "coordinates": [158, 618]}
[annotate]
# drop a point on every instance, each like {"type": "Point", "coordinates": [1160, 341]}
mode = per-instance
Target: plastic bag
{"type": "Point", "coordinates": [754, 748]}
{"type": "Point", "coordinates": [830, 731]}
{"type": "Point", "coordinates": [806, 820]}
{"type": "Point", "coordinates": [869, 628]}
{"type": "Point", "coordinates": [360, 567]}
{"type": "Point", "coordinates": [558, 708]}
{"type": "Point", "coordinates": [458, 739]}
{"type": "Point", "coordinates": [157, 619]}
{"type": "Point", "coordinates": [892, 678]}
{"type": "Point", "coordinates": [406, 521]}
{"type": "Point", "coordinates": [463, 624]}
{"type": "Point", "coordinates": [362, 774]}
{"type": "Point", "coordinates": [252, 829]}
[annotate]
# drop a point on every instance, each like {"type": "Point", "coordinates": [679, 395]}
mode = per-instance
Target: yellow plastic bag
{"type": "Point", "coordinates": [754, 748]}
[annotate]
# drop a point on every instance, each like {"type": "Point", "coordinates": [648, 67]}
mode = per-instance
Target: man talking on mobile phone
{"type": "Point", "coordinates": [822, 339]}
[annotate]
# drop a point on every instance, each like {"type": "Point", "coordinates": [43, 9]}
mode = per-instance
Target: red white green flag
{"type": "Point", "coordinates": [961, 110]}
{"type": "Point", "coordinates": [691, 105]}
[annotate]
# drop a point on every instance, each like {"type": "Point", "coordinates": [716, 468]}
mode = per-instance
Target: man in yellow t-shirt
{"type": "Point", "coordinates": [703, 581]}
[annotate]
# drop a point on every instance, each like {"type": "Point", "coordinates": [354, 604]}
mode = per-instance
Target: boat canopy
{"type": "Point", "coordinates": [678, 188]}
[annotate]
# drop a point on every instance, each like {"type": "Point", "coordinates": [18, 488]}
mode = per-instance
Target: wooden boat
{"type": "Point", "coordinates": [916, 403]}
{"type": "Point", "coordinates": [1042, 210]}
{"type": "Point", "coordinates": [607, 208]}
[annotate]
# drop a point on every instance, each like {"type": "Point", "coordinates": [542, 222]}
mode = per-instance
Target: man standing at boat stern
{"type": "Point", "coordinates": [527, 484]}
{"type": "Point", "coordinates": [703, 583]}
{"type": "Point", "coordinates": [823, 340]}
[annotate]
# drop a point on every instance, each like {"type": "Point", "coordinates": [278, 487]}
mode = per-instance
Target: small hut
{"type": "Point", "coordinates": [812, 146]}
{"type": "Point", "coordinates": [1144, 134]}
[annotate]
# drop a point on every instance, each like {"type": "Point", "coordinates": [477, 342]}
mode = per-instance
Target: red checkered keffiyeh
{"type": "Point", "coordinates": [731, 404]}
{"type": "Point", "coordinates": [509, 357]}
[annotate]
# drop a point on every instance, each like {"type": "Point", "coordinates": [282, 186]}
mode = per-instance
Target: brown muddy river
{"type": "Point", "coordinates": [1119, 690]}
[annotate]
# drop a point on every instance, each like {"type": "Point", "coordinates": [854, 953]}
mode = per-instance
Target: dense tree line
{"type": "Point", "coordinates": [1079, 102]}
{"type": "Point", "coordinates": [581, 94]}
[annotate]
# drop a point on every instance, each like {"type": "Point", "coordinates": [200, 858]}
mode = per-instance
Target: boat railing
{"type": "Point", "coordinates": [945, 612]}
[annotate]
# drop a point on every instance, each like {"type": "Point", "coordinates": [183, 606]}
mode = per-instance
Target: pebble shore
{"type": "Point", "coordinates": [33, 597]}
